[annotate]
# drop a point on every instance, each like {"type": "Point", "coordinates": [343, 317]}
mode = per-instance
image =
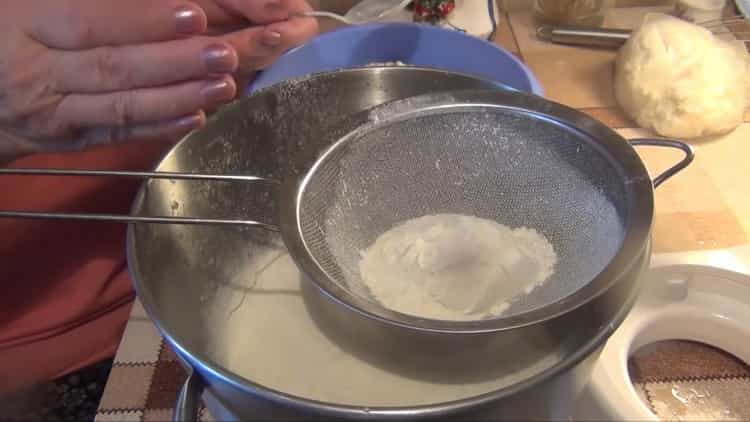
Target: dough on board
{"type": "Point", "coordinates": [682, 81]}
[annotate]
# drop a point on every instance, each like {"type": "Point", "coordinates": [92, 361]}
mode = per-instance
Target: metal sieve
{"type": "Point", "coordinates": [514, 158]}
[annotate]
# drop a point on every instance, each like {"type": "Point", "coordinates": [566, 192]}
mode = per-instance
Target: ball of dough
{"type": "Point", "coordinates": [682, 81]}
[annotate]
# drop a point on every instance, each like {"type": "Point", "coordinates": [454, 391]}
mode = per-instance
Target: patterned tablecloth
{"type": "Point", "coordinates": [145, 376]}
{"type": "Point", "coordinates": [707, 207]}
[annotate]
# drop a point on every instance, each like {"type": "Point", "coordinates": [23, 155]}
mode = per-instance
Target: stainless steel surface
{"type": "Point", "coordinates": [329, 15]}
{"type": "Point", "coordinates": [587, 37]}
{"type": "Point", "coordinates": [548, 395]}
{"type": "Point", "coordinates": [188, 401]}
{"type": "Point", "coordinates": [130, 218]}
{"type": "Point", "coordinates": [548, 401]}
{"type": "Point", "coordinates": [517, 159]}
{"type": "Point", "coordinates": [186, 274]}
{"type": "Point", "coordinates": [365, 11]}
{"type": "Point", "coordinates": [115, 218]}
{"type": "Point", "coordinates": [668, 143]}
{"type": "Point", "coordinates": [615, 38]}
{"type": "Point", "coordinates": [178, 269]}
{"type": "Point", "coordinates": [135, 174]}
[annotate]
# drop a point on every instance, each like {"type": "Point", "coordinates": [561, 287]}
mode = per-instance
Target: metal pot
{"type": "Point", "coordinates": [550, 395]}
{"type": "Point", "coordinates": [185, 274]}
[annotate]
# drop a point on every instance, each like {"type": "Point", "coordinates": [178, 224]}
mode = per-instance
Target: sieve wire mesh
{"type": "Point", "coordinates": [497, 163]}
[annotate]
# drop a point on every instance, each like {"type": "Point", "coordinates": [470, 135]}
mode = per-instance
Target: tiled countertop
{"type": "Point", "coordinates": [705, 207]}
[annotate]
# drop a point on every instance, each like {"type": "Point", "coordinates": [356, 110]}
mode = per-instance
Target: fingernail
{"type": "Point", "coordinates": [272, 38]}
{"type": "Point", "coordinates": [218, 91]}
{"type": "Point", "coordinates": [188, 20]}
{"type": "Point", "coordinates": [191, 122]}
{"type": "Point", "coordinates": [218, 59]}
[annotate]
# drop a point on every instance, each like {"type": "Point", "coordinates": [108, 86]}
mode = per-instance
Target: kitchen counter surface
{"type": "Point", "coordinates": [704, 209]}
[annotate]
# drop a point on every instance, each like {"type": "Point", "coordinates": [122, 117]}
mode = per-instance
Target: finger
{"type": "Point", "coordinates": [257, 11]}
{"type": "Point", "coordinates": [126, 108]}
{"type": "Point", "coordinates": [144, 65]}
{"type": "Point", "coordinates": [160, 131]}
{"type": "Point", "coordinates": [291, 33]}
{"type": "Point", "coordinates": [78, 24]}
{"type": "Point", "coordinates": [260, 46]}
{"type": "Point", "coordinates": [297, 6]}
{"type": "Point", "coordinates": [253, 46]}
{"type": "Point", "coordinates": [225, 16]}
{"type": "Point", "coordinates": [219, 16]}
{"type": "Point", "coordinates": [295, 31]}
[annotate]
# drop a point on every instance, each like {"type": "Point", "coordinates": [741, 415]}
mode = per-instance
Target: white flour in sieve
{"type": "Point", "coordinates": [455, 267]}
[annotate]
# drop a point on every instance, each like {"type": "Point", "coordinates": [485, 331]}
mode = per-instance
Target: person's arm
{"type": "Point", "coordinates": [260, 30]}
{"type": "Point", "coordinates": [13, 147]}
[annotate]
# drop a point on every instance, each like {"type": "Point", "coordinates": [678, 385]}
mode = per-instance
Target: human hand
{"type": "Point", "coordinates": [259, 30]}
{"type": "Point", "coordinates": [75, 73]}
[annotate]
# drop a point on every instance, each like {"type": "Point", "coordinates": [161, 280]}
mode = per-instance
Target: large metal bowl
{"type": "Point", "coordinates": [184, 273]}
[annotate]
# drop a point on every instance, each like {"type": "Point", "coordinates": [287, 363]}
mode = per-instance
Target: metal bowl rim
{"type": "Point", "coordinates": [205, 365]}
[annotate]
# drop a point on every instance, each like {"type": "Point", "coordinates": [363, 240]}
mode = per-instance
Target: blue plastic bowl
{"type": "Point", "coordinates": [411, 43]}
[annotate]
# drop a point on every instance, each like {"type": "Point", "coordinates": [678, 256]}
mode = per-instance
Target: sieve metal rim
{"type": "Point", "coordinates": [638, 188]}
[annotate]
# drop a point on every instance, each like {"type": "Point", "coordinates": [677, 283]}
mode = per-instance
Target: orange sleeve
{"type": "Point", "coordinates": [64, 288]}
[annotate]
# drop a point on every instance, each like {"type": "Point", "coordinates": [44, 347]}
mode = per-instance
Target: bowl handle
{"type": "Point", "coordinates": [668, 143]}
{"type": "Point", "coordinates": [188, 401]}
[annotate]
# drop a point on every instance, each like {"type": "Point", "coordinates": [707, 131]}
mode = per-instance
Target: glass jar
{"type": "Point", "coordinates": [585, 13]}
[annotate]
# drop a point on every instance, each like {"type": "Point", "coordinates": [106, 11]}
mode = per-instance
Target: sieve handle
{"type": "Point", "coordinates": [130, 218]}
{"type": "Point", "coordinates": [667, 143]}
{"type": "Point", "coordinates": [133, 174]}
